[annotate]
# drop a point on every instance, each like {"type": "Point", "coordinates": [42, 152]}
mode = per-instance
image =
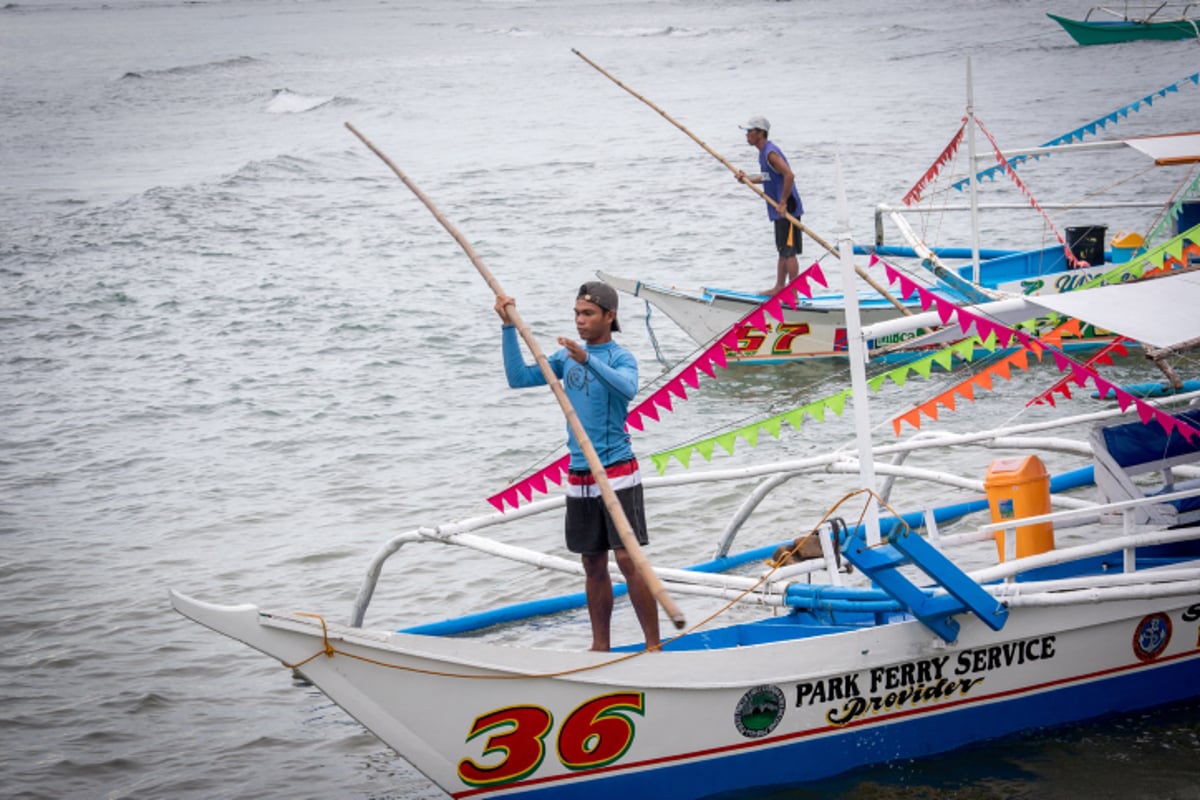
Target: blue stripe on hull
{"type": "Point", "coordinates": [914, 736]}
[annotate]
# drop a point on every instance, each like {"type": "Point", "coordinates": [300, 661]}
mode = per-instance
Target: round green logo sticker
{"type": "Point", "coordinates": [759, 711]}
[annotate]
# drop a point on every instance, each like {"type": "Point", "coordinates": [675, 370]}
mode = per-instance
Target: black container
{"type": "Point", "coordinates": [1087, 243]}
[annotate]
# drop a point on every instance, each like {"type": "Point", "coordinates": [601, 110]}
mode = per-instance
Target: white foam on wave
{"type": "Point", "coordinates": [288, 102]}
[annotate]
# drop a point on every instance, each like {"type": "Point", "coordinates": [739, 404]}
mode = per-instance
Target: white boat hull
{"type": "Point", "coordinates": [483, 720]}
{"type": "Point", "coordinates": [814, 330]}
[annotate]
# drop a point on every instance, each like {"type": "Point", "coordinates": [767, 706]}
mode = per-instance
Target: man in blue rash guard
{"type": "Point", "coordinates": [600, 378]}
{"type": "Point", "coordinates": [778, 182]}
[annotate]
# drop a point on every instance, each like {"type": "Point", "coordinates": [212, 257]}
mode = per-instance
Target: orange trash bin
{"type": "Point", "coordinates": [1019, 487]}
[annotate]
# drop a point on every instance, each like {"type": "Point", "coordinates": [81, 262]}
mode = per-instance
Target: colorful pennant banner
{"type": "Point", "coordinates": [914, 194]}
{"type": "Point", "coordinates": [985, 378]}
{"type": "Point", "coordinates": [1088, 129]}
{"type": "Point", "coordinates": [816, 410]}
{"type": "Point", "coordinates": [1063, 386]}
{"type": "Point", "coordinates": [750, 433]}
{"type": "Point", "coordinates": [984, 328]}
{"type": "Point", "coordinates": [1171, 254]}
{"type": "Point", "coordinates": [964, 389]}
{"type": "Point", "coordinates": [1176, 208]}
{"type": "Point", "coordinates": [714, 356]}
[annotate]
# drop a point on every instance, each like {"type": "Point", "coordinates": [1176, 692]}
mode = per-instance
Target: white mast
{"type": "Point", "coordinates": [973, 179]}
{"type": "Point", "coordinates": [858, 358]}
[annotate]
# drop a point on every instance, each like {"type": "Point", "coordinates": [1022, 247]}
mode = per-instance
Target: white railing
{"type": "Point", "coordinates": [771, 591]}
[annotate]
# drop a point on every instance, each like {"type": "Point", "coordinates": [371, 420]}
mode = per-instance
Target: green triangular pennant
{"type": "Point", "coordinates": [837, 403]}
{"type": "Point", "coordinates": [750, 434]}
{"type": "Point", "coordinates": [795, 418]}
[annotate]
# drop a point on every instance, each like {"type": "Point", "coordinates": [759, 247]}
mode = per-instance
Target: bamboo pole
{"type": "Point", "coordinates": [593, 459]}
{"type": "Point", "coordinates": [782, 209]}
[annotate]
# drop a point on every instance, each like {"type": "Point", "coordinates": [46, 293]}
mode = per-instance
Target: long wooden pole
{"type": "Point", "coordinates": [782, 208]}
{"type": "Point", "coordinates": [589, 451]}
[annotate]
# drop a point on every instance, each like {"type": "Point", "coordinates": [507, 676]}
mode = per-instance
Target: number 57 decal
{"type": "Point", "coordinates": [595, 734]}
{"type": "Point", "coordinates": [751, 339]}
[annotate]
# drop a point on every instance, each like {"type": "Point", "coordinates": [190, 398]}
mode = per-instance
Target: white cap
{"type": "Point", "coordinates": [757, 122]}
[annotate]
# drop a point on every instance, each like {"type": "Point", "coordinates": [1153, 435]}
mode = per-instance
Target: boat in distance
{"type": "Point", "coordinates": [1163, 22]}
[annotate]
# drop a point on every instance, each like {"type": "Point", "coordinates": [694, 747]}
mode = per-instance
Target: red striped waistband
{"type": "Point", "coordinates": [621, 469]}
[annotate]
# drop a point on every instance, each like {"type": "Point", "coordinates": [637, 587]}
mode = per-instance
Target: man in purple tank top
{"type": "Point", "coordinates": [779, 183]}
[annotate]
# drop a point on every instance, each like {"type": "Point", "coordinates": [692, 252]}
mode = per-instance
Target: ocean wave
{"type": "Point", "coordinates": [655, 32]}
{"type": "Point", "coordinates": [609, 33]}
{"type": "Point", "coordinates": [285, 101]}
{"type": "Point", "coordinates": [193, 69]}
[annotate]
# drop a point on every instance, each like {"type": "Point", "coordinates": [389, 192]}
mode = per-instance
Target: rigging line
{"type": "Point", "coordinates": [937, 193]}
{"type": "Point", "coordinates": [1177, 194]}
{"type": "Point", "coordinates": [1102, 190]}
{"type": "Point", "coordinates": [658, 353]}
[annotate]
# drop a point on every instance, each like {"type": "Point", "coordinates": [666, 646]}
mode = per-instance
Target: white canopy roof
{"type": "Point", "coordinates": [1160, 312]}
{"type": "Point", "coordinates": [1173, 148]}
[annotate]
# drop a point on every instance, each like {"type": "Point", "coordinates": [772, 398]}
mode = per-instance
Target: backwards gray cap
{"type": "Point", "coordinates": [602, 295]}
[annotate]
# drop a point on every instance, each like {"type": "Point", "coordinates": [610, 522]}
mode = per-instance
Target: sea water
{"type": "Point", "coordinates": [238, 354]}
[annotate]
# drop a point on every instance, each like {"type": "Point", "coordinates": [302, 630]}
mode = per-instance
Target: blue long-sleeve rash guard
{"type": "Point", "coordinates": [599, 390]}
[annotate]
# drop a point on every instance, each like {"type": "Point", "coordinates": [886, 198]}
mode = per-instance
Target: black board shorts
{"type": "Point", "coordinates": [782, 227]}
{"type": "Point", "coordinates": [591, 531]}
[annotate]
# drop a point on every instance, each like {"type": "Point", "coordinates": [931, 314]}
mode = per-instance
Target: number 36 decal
{"type": "Point", "coordinates": [596, 733]}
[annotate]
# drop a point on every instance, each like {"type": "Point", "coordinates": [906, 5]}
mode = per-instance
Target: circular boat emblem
{"type": "Point", "coordinates": [1152, 636]}
{"type": "Point", "coordinates": [759, 711]}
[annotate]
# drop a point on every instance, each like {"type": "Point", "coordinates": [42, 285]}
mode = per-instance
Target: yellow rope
{"type": "Point", "coordinates": [328, 650]}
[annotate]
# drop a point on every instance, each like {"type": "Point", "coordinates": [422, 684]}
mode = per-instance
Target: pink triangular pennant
{"type": "Point", "coordinates": [1080, 374]}
{"type": "Point", "coordinates": [662, 399]}
{"type": "Point", "coordinates": [815, 273]}
{"type": "Point", "coordinates": [983, 327]}
{"type": "Point", "coordinates": [945, 310]}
